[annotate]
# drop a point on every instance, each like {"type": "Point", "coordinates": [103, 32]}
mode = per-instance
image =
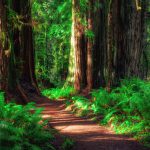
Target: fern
{"type": "Point", "coordinates": [56, 93]}
{"type": "Point", "coordinates": [20, 128]}
{"type": "Point", "coordinates": [126, 108]}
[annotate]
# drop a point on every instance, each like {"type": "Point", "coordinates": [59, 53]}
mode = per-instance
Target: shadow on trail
{"type": "Point", "coordinates": [87, 134]}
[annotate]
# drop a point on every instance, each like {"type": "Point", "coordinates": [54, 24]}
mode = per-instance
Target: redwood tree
{"type": "Point", "coordinates": [16, 24]}
{"type": "Point", "coordinates": [79, 47]}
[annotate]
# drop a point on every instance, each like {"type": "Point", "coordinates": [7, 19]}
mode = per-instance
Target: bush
{"type": "Point", "coordinates": [81, 102]}
{"type": "Point", "coordinates": [101, 101]}
{"type": "Point", "coordinates": [56, 93]}
{"type": "Point", "coordinates": [68, 144]}
{"type": "Point", "coordinates": [127, 107]}
{"type": "Point", "coordinates": [132, 105]}
{"type": "Point", "coordinates": [21, 127]}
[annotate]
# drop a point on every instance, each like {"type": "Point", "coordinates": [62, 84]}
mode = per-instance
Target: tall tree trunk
{"type": "Point", "coordinates": [110, 44]}
{"type": "Point", "coordinates": [133, 39]}
{"type": "Point", "coordinates": [1, 45]}
{"type": "Point", "coordinates": [27, 46]}
{"type": "Point", "coordinates": [129, 38]}
{"type": "Point", "coordinates": [16, 50]}
{"type": "Point", "coordinates": [79, 46]}
{"type": "Point", "coordinates": [90, 47]}
{"type": "Point", "coordinates": [100, 45]}
{"type": "Point", "coordinates": [4, 49]}
{"type": "Point", "coordinates": [71, 68]}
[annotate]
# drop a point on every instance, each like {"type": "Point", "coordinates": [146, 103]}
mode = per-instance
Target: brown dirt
{"type": "Point", "coordinates": [86, 134]}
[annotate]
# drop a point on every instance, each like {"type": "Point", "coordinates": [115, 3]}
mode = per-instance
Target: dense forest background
{"type": "Point", "coordinates": [85, 44]}
{"type": "Point", "coordinates": [113, 55]}
{"type": "Point", "coordinates": [94, 53]}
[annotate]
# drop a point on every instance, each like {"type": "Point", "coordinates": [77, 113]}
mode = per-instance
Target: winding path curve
{"type": "Point", "coordinates": [87, 134]}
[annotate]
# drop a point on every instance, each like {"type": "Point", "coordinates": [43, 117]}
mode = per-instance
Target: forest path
{"type": "Point", "coordinates": [86, 134]}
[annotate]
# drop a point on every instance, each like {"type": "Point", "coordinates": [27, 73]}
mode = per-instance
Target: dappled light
{"type": "Point", "coordinates": [74, 74]}
{"type": "Point", "coordinates": [85, 131]}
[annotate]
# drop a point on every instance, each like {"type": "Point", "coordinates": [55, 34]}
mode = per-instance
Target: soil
{"type": "Point", "coordinates": [87, 134]}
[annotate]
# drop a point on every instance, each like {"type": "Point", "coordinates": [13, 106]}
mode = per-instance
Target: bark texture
{"type": "Point", "coordinates": [80, 49]}
{"type": "Point", "coordinates": [17, 68]}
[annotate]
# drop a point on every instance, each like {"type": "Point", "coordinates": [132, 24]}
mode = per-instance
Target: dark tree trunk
{"type": "Point", "coordinates": [99, 45]}
{"type": "Point", "coordinates": [110, 46]}
{"type": "Point", "coordinates": [4, 50]}
{"type": "Point", "coordinates": [18, 74]}
{"type": "Point", "coordinates": [27, 45]}
{"type": "Point", "coordinates": [129, 33]}
{"type": "Point", "coordinates": [1, 45]}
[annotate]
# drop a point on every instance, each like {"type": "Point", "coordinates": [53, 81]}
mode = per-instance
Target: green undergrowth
{"type": "Point", "coordinates": [21, 127]}
{"type": "Point", "coordinates": [126, 109]}
{"type": "Point", "coordinates": [67, 144]}
{"type": "Point", "coordinates": [57, 93]}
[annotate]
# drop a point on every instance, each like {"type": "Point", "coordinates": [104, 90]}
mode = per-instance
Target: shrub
{"type": "Point", "coordinates": [67, 144]}
{"type": "Point", "coordinates": [56, 93]}
{"type": "Point", "coordinates": [21, 127]}
{"type": "Point", "coordinates": [101, 101]}
{"type": "Point", "coordinates": [126, 108]}
{"type": "Point", "coordinates": [132, 105]}
{"type": "Point", "coordinates": [81, 102]}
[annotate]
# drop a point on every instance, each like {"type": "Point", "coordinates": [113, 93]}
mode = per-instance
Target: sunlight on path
{"type": "Point", "coordinates": [87, 134]}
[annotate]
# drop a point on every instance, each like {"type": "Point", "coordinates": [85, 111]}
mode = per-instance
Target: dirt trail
{"type": "Point", "coordinates": [87, 134]}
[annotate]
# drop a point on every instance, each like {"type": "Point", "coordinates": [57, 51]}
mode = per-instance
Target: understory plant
{"type": "Point", "coordinates": [130, 109]}
{"type": "Point", "coordinates": [21, 127]}
{"type": "Point", "coordinates": [126, 108]}
{"type": "Point", "coordinates": [56, 93]}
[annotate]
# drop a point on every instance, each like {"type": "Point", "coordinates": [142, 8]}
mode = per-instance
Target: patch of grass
{"type": "Point", "coordinates": [21, 127]}
{"type": "Point", "coordinates": [56, 93]}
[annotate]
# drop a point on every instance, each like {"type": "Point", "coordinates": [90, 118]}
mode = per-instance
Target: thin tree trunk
{"type": "Point", "coordinates": [110, 46]}
{"type": "Point", "coordinates": [4, 50]}
{"type": "Point", "coordinates": [90, 48]}
{"type": "Point", "coordinates": [1, 44]}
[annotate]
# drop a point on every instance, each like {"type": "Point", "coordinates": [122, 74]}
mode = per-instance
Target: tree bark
{"type": "Point", "coordinates": [79, 46]}
{"type": "Point", "coordinates": [100, 44]}
{"type": "Point", "coordinates": [129, 38]}
{"type": "Point", "coordinates": [16, 50]}
{"type": "Point", "coordinates": [4, 50]}
{"type": "Point", "coordinates": [90, 47]}
{"type": "Point", "coordinates": [28, 54]}
{"type": "Point", "coordinates": [110, 45]}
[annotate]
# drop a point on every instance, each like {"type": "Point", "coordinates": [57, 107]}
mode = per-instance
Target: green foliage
{"type": "Point", "coordinates": [83, 6]}
{"type": "Point", "coordinates": [89, 34]}
{"type": "Point", "coordinates": [21, 127]}
{"type": "Point", "coordinates": [68, 144]}
{"type": "Point", "coordinates": [52, 38]}
{"type": "Point", "coordinates": [130, 110]}
{"type": "Point", "coordinates": [81, 102]}
{"type": "Point", "coordinates": [56, 93]}
{"type": "Point", "coordinates": [101, 101]}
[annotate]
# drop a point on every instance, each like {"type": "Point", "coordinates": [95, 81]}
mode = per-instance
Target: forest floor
{"type": "Point", "coordinates": [87, 134]}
